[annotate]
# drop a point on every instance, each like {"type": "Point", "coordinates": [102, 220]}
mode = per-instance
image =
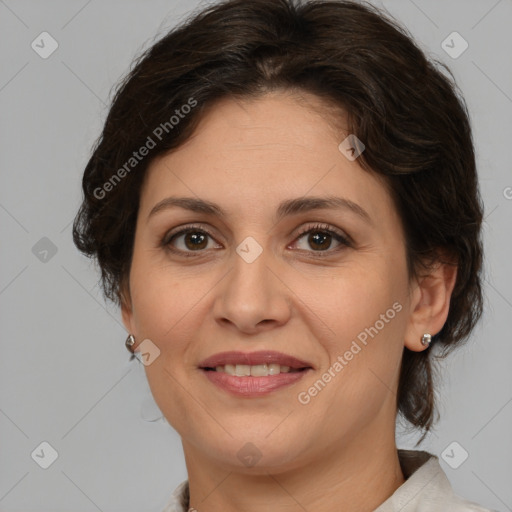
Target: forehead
{"type": "Point", "coordinates": [250, 154]}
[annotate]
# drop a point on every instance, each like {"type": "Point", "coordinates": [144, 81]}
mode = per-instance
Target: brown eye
{"type": "Point", "coordinates": [319, 240]}
{"type": "Point", "coordinates": [189, 240]}
{"type": "Point", "coordinates": [195, 240]}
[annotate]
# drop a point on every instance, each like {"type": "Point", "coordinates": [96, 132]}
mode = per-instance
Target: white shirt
{"type": "Point", "coordinates": [426, 489]}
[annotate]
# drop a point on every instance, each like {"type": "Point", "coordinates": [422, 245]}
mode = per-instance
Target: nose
{"type": "Point", "coordinates": [252, 298]}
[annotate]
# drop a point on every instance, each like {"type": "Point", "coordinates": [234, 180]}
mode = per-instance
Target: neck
{"type": "Point", "coordinates": [358, 477]}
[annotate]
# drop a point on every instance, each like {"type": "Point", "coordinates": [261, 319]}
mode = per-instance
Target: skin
{"type": "Point", "coordinates": [339, 449]}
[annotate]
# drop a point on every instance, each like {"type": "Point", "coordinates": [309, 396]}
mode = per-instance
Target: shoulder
{"type": "Point", "coordinates": [426, 488]}
{"type": "Point", "coordinates": [461, 505]}
{"type": "Point", "coordinates": [454, 502]}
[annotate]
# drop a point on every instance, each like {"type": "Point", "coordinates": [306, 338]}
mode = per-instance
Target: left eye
{"type": "Point", "coordinates": [321, 239]}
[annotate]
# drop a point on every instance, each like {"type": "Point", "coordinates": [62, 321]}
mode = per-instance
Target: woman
{"type": "Point", "coordinates": [284, 203]}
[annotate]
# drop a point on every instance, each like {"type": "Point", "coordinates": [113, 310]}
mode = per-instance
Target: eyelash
{"type": "Point", "coordinates": [344, 240]}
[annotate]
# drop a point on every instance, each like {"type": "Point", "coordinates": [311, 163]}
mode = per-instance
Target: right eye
{"type": "Point", "coordinates": [187, 240]}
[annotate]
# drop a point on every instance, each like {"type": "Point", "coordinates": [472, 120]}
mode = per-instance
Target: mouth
{"type": "Point", "coordinates": [255, 373]}
{"type": "Point", "coordinates": [257, 370]}
{"type": "Point", "coordinates": [254, 364]}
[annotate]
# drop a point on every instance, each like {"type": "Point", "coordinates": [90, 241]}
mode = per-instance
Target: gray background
{"type": "Point", "coordinates": [65, 376]}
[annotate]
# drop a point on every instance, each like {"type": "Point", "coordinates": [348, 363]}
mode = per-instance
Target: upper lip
{"type": "Point", "coordinates": [253, 358]}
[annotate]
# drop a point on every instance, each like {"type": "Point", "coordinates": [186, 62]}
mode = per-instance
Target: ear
{"type": "Point", "coordinates": [126, 306]}
{"type": "Point", "coordinates": [430, 303]}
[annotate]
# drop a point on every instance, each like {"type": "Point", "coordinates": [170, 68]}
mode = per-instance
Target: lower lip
{"type": "Point", "coordinates": [253, 386]}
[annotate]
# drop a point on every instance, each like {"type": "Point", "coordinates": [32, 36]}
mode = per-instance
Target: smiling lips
{"type": "Point", "coordinates": [254, 359]}
{"type": "Point", "coordinates": [254, 373]}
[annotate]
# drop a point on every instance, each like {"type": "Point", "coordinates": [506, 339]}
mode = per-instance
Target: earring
{"type": "Point", "coordinates": [130, 341]}
{"type": "Point", "coordinates": [426, 339]}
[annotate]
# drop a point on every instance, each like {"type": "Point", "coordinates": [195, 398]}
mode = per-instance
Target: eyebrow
{"type": "Point", "coordinates": [286, 208]}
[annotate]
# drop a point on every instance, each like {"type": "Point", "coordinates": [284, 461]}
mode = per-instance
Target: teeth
{"type": "Point", "coordinates": [274, 369]}
{"type": "Point", "coordinates": [242, 370]}
{"type": "Point", "coordinates": [257, 370]}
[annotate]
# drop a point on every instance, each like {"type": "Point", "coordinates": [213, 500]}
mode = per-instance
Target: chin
{"type": "Point", "coordinates": [257, 453]}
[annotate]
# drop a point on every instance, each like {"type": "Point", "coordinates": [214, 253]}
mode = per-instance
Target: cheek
{"type": "Point", "coordinates": [365, 312]}
{"type": "Point", "coordinates": [161, 296]}
{"type": "Point", "coordinates": [356, 298]}
{"type": "Point", "coordinates": [171, 307]}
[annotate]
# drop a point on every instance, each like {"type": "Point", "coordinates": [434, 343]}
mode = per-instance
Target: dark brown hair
{"type": "Point", "coordinates": [405, 108]}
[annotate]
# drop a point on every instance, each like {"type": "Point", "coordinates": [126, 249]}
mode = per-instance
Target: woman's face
{"type": "Point", "coordinates": [250, 280]}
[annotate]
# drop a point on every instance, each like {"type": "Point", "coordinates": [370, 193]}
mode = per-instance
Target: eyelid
{"type": "Point", "coordinates": [180, 230]}
{"type": "Point", "coordinates": [319, 226]}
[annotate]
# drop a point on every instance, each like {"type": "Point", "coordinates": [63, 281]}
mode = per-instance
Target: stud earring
{"type": "Point", "coordinates": [130, 341]}
{"type": "Point", "coordinates": [426, 339]}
